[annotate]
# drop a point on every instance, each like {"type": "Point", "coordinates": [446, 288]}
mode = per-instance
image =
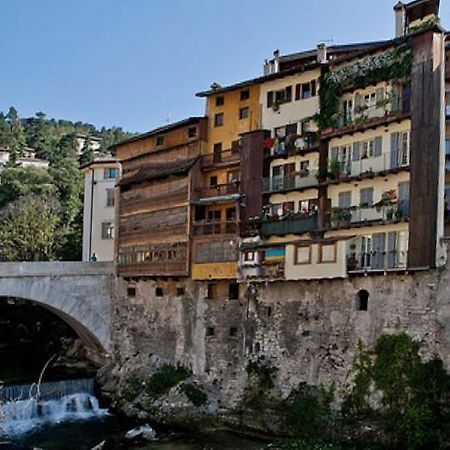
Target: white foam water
{"type": "Point", "coordinates": [19, 416]}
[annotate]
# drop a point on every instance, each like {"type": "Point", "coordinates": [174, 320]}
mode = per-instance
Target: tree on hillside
{"type": "Point", "coordinates": [87, 152]}
{"type": "Point", "coordinates": [30, 229]}
{"type": "Point", "coordinates": [17, 182]}
{"type": "Point", "coordinates": [67, 147]}
{"type": "Point", "coordinates": [39, 135]}
{"type": "Point", "coordinates": [15, 136]}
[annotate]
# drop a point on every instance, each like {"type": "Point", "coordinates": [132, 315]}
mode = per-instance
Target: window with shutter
{"type": "Point", "coordinates": [378, 251]}
{"type": "Point", "coordinates": [378, 146]}
{"type": "Point", "coordinates": [394, 149]}
{"type": "Point", "coordinates": [270, 99]}
{"type": "Point", "coordinates": [356, 151]}
{"type": "Point", "coordinates": [345, 199]}
{"type": "Point", "coordinates": [313, 88]}
{"type": "Point", "coordinates": [379, 97]}
{"type": "Point", "coordinates": [298, 88]}
{"type": "Point", "coordinates": [366, 196]}
{"type": "Point", "coordinates": [291, 129]}
{"type": "Point", "coordinates": [288, 94]}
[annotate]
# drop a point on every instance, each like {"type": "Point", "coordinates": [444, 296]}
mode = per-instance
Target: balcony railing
{"type": "Point", "coordinates": [292, 225]}
{"type": "Point", "coordinates": [212, 227]}
{"type": "Point", "coordinates": [218, 190]}
{"type": "Point", "coordinates": [377, 260]}
{"type": "Point", "coordinates": [290, 183]}
{"type": "Point", "coordinates": [291, 146]}
{"type": "Point", "coordinates": [359, 215]}
{"type": "Point", "coordinates": [370, 165]}
{"type": "Point", "coordinates": [225, 156]}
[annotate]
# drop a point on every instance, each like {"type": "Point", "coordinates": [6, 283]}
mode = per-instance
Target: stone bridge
{"type": "Point", "coordinates": [79, 293]}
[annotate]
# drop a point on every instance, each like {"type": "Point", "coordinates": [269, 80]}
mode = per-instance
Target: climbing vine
{"type": "Point", "coordinates": [394, 64]}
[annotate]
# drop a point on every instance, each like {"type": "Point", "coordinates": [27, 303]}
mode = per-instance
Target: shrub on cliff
{"type": "Point", "coordinates": [166, 378]}
{"type": "Point", "coordinates": [196, 396]}
{"type": "Point", "coordinates": [414, 411]}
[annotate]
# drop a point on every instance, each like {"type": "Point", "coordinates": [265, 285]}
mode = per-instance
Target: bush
{"type": "Point", "coordinates": [167, 377]}
{"type": "Point", "coordinates": [194, 394]}
{"type": "Point", "coordinates": [131, 389]}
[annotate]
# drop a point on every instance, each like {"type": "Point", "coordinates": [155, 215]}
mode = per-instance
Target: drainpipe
{"type": "Point", "coordinates": [91, 213]}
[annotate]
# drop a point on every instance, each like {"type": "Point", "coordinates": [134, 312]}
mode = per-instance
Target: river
{"type": "Point", "coordinates": [68, 417]}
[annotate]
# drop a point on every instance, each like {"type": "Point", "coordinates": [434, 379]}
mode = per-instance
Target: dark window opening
{"type": "Point", "coordinates": [212, 288]}
{"type": "Point", "coordinates": [218, 120]}
{"type": "Point", "coordinates": [233, 291]}
{"type": "Point", "coordinates": [268, 311]}
{"type": "Point", "coordinates": [131, 292]}
{"type": "Point", "coordinates": [362, 300]}
{"type": "Point", "coordinates": [210, 331]}
{"type": "Point", "coordinates": [245, 94]}
{"type": "Point", "coordinates": [213, 181]}
{"type": "Point", "coordinates": [159, 292]}
{"type": "Point", "coordinates": [233, 331]}
{"type": "Point", "coordinates": [192, 132]}
{"type": "Point", "coordinates": [243, 113]}
{"type": "Point", "coordinates": [217, 152]}
{"type": "Point", "coordinates": [220, 100]}
{"type": "Point", "coordinates": [159, 140]}
{"type": "Point", "coordinates": [257, 347]}
{"type": "Point", "coordinates": [180, 291]}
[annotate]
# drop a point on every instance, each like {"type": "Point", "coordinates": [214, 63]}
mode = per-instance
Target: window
{"type": "Point", "coordinates": [233, 176]}
{"type": "Point", "coordinates": [180, 291]}
{"type": "Point", "coordinates": [217, 152]}
{"type": "Point", "coordinates": [328, 253]}
{"type": "Point", "coordinates": [159, 291]}
{"type": "Point", "coordinates": [230, 214]}
{"type": "Point", "coordinates": [192, 132]}
{"type": "Point", "coordinates": [219, 251]}
{"type": "Point", "coordinates": [245, 94]}
{"type": "Point", "coordinates": [159, 140]}
{"type": "Point", "coordinates": [370, 100]}
{"type": "Point", "coordinates": [210, 331]}
{"type": "Point", "coordinates": [220, 100]}
{"type": "Point", "coordinates": [214, 214]}
{"type": "Point", "coordinates": [107, 230]}
{"type": "Point", "coordinates": [233, 291]}
{"type": "Point", "coordinates": [303, 254]}
{"type": "Point", "coordinates": [366, 197]}
{"type": "Point", "coordinates": [110, 173]}
{"type": "Point", "coordinates": [213, 181]}
{"type": "Point", "coordinates": [218, 120]}
{"type": "Point", "coordinates": [243, 113]}
{"type": "Point", "coordinates": [233, 332]}
{"type": "Point", "coordinates": [305, 90]}
{"type": "Point", "coordinates": [275, 98]}
{"type": "Point", "coordinates": [131, 291]}
{"type": "Point", "coordinates": [212, 291]}
{"type": "Point", "coordinates": [109, 197]}
{"type": "Point", "coordinates": [362, 300]}
{"type": "Point", "coordinates": [249, 256]}
{"type": "Point", "coordinates": [345, 199]}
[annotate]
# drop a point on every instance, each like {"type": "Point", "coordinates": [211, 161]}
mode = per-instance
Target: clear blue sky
{"type": "Point", "coordinates": [136, 63]}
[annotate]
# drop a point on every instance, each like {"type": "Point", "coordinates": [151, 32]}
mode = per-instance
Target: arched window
{"type": "Point", "coordinates": [362, 300]}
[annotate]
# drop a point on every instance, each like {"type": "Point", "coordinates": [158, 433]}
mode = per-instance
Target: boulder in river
{"type": "Point", "coordinates": [144, 432]}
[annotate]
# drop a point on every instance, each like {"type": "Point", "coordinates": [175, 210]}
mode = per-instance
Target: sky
{"type": "Point", "coordinates": [138, 63]}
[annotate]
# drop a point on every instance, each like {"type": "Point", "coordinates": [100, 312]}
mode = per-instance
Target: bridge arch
{"type": "Point", "coordinates": [78, 293]}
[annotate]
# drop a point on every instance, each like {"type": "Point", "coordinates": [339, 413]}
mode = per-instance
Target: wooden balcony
{"type": "Point", "coordinates": [218, 190]}
{"type": "Point", "coordinates": [212, 227]}
{"type": "Point", "coordinates": [222, 158]}
{"type": "Point", "coordinates": [292, 225]}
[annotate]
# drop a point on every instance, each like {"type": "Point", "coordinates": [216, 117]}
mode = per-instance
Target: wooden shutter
{"type": "Point", "coordinates": [396, 95]}
{"type": "Point", "coordinates": [345, 199]}
{"type": "Point", "coordinates": [313, 88]}
{"type": "Point", "coordinates": [366, 196]}
{"type": "Point", "coordinates": [378, 245]}
{"type": "Point", "coordinates": [356, 151]}
{"type": "Point", "coordinates": [269, 99]}
{"type": "Point", "coordinates": [379, 97]}
{"type": "Point", "coordinates": [378, 146]}
{"type": "Point", "coordinates": [334, 153]}
{"type": "Point", "coordinates": [394, 149]}
{"type": "Point", "coordinates": [391, 250]}
{"type": "Point", "coordinates": [358, 102]}
{"type": "Point", "coordinates": [298, 88]}
{"type": "Point", "coordinates": [403, 199]}
{"type": "Point", "coordinates": [288, 93]}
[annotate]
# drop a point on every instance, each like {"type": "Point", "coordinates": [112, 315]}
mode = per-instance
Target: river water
{"type": "Point", "coordinates": [68, 417]}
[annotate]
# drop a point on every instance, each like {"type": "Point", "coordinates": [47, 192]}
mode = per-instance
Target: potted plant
{"type": "Point", "coordinates": [335, 168]}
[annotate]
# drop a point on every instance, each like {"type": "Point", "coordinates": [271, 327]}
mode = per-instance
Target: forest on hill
{"type": "Point", "coordinates": [41, 208]}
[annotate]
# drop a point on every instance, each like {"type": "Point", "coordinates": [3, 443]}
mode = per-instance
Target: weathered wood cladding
{"type": "Point", "coordinates": [425, 148]}
{"type": "Point", "coordinates": [154, 217]}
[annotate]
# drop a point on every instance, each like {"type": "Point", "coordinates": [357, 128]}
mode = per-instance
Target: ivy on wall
{"type": "Point", "coordinates": [394, 64]}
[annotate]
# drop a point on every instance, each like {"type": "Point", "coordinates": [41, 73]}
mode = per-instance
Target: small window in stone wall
{"type": "Point", "coordinates": [268, 311]}
{"type": "Point", "coordinates": [131, 292]}
{"type": "Point", "coordinates": [233, 291]}
{"type": "Point", "coordinates": [233, 331]}
{"type": "Point", "coordinates": [212, 291]}
{"type": "Point", "coordinates": [180, 291]}
{"type": "Point", "coordinates": [210, 331]}
{"type": "Point", "coordinates": [362, 300]}
{"type": "Point", "coordinates": [159, 292]}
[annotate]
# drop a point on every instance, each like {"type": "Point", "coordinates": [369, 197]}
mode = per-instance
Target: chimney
{"type": "Point", "coordinates": [399, 11]}
{"type": "Point", "coordinates": [276, 61]}
{"type": "Point", "coordinates": [321, 53]}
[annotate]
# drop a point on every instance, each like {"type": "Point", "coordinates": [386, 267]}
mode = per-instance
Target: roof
{"type": "Point", "coordinates": [100, 162]}
{"type": "Point", "coordinates": [161, 130]}
{"type": "Point", "coordinates": [304, 64]}
{"type": "Point", "coordinates": [150, 172]}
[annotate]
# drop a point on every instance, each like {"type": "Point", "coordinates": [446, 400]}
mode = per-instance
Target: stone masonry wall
{"type": "Point", "coordinates": [308, 330]}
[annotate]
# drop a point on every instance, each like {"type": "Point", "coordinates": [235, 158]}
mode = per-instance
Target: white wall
{"type": "Point", "coordinates": [95, 202]}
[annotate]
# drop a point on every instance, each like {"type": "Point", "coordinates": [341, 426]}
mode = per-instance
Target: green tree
{"type": "Point", "coordinates": [20, 181]}
{"type": "Point", "coordinates": [30, 229]}
{"type": "Point", "coordinates": [87, 152]}
{"type": "Point", "coordinates": [15, 136]}
{"type": "Point", "coordinates": [39, 136]}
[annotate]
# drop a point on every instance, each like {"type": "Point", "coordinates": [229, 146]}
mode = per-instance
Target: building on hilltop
{"type": "Point", "coordinates": [27, 160]}
{"type": "Point", "coordinates": [100, 206]}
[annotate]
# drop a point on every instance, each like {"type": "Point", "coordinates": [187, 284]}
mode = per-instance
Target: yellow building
{"type": "Point", "coordinates": [230, 111]}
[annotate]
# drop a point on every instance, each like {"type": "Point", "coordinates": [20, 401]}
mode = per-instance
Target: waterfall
{"type": "Point", "coordinates": [21, 411]}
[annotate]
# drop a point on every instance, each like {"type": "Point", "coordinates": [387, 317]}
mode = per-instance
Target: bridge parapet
{"type": "Point", "coordinates": [55, 268]}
